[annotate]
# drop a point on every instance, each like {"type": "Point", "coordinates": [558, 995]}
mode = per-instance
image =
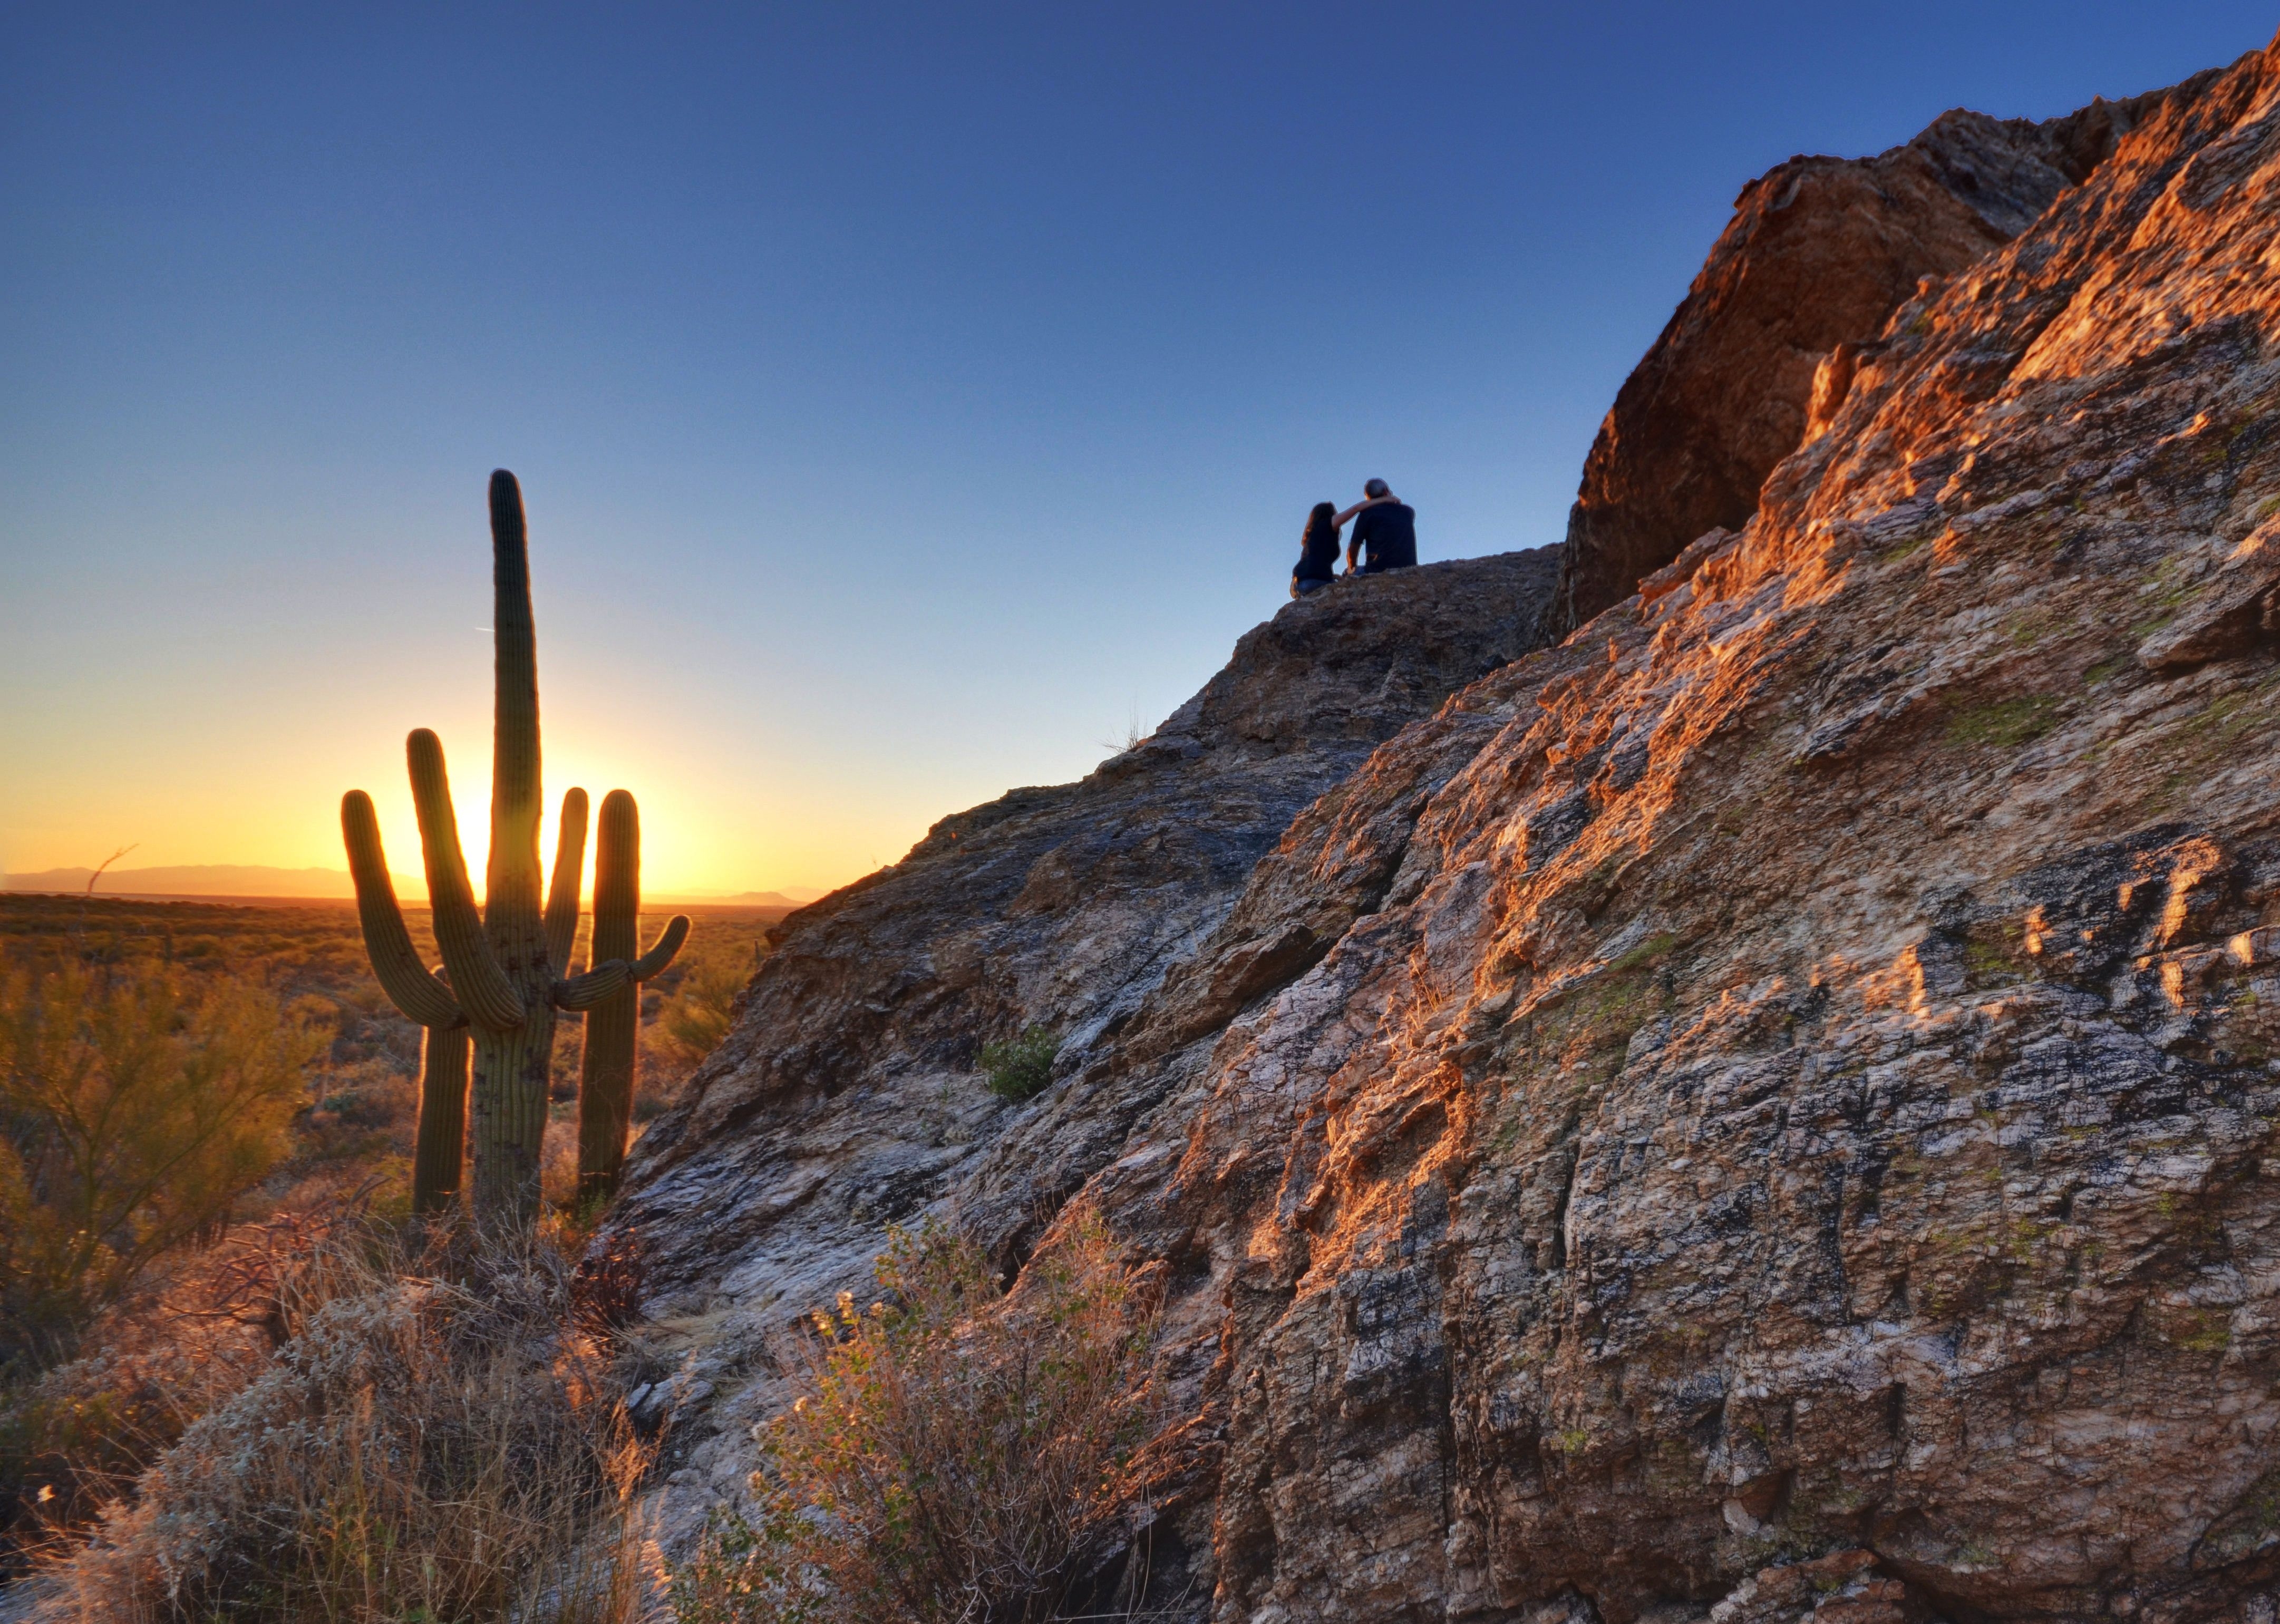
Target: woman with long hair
{"type": "Point", "coordinates": [1318, 551]}
{"type": "Point", "coordinates": [1318, 547]}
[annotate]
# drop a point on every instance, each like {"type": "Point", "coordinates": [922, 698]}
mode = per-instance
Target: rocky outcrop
{"type": "Point", "coordinates": [1766, 1109]}
{"type": "Point", "coordinates": [1820, 252]}
{"type": "Point", "coordinates": [847, 1098]}
{"type": "Point", "coordinates": [1806, 1097]}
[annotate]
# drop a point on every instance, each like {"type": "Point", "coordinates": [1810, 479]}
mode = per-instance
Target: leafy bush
{"type": "Point", "coordinates": [134, 1109]}
{"type": "Point", "coordinates": [440, 1440]}
{"type": "Point", "coordinates": [954, 1454]}
{"type": "Point", "coordinates": [1021, 1067]}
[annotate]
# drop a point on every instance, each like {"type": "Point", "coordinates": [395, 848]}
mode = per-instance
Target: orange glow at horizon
{"type": "Point", "coordinates": [699, 835]}
{"type": "Point", "coordinates": [242, 759]}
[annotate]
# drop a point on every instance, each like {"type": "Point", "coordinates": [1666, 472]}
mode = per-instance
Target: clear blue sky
{"type": "Point", "coordinates": [907, 399]}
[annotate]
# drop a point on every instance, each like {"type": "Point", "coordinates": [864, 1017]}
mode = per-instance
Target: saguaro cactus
{"type": "Point", "coordinates": [441, 1137]}
{"type": "Point", "coordinates": [506, 963]}
{"type": "Point", "coordinates": [606, 1082]}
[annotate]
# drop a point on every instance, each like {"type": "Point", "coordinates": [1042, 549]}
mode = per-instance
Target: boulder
{"type": "Point", "coordinates": [1760, 352]}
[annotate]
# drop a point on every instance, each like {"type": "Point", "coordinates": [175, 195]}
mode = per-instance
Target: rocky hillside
{"type": "Point", "coordinates": [1765, 1109]}
{"type": "Point", "coordinates": [847, 1098]}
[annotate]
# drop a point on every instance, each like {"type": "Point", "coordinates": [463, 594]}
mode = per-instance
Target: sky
{"type": "Point", "coordinates": [910, 402]}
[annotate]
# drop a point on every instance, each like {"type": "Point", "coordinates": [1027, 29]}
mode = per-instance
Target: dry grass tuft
{"type": "Point", "coordinates": [74, 1437]}
{"type": "Point", "coordinates": [440, 1439]}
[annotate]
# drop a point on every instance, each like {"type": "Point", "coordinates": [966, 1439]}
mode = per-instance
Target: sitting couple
{"type": "Point", "coordinates": [1384, 538]}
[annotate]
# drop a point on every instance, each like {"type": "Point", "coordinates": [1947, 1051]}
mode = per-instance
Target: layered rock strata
{"type": "Point", "coordinates": [1764, 1109]}
{"type": "Point", "coordinates": [1819, 253]}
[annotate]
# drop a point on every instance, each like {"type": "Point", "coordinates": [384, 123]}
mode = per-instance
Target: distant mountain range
{"type": "Point", "coordinates": [791, 896]}
{"type": "Point", "coordinates": [254, 880]}
{"type": "Point", "coordinates": [205, 880]}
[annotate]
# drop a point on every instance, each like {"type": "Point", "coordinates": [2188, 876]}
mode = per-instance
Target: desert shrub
{"type": "Point", "coordinates": [358, 1114]}
{"type": "Point", "coordinates": [135, 1107]}
{"type": "Point", "coordinates": [440, 1439]}
{"type": "Point", "coordinates": [701, 1008]}
{"type": "Point", "coordinates": [72, 1438]}
{"type": "Point", "coordinates": [1020, 1067]}
{"type": "Point", "coordinates": [953, 1454]}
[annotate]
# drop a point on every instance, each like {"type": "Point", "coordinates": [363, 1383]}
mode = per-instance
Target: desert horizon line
{"type": "Point", "coordinates": [316, 882]}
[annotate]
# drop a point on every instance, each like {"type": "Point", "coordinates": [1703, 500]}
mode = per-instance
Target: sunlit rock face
{"type": "Point", "coordinates": [847, 1096]}
{"type": "Point", "coordinates": [1820, 252]}
{"type": "Point", "coordinates": [1764, 1109]}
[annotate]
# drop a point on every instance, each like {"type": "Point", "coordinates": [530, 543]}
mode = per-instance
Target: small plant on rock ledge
{"type": "Point", "coordinates": [1021, 1067]}
{"type": "Point", "coordinates": [953, 1453]}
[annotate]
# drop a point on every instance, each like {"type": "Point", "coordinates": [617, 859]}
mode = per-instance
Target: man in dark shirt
{"type": "Point", "coordinates": [1384, 534]}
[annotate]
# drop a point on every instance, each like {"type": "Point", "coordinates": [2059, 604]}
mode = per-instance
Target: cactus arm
{"type": "Point", "coordinates": [562, 894]}
{"type": "Point", "coordinates": [607, 1068]}
{"type": "Point", "coordinates": [444, 981]}
{"type": "Point", "coordinates": [663, 951]}
{"type": "Point", "coordinates": [440, 1141]}
{"type": "Point", "coordinates": [617, 893]}
{"type": "Point", "coordinates": [417, 993]}
{"type": "Point", "coordinates": [583, 992]}
{"type": "Point", "coordinates": [482, 987]}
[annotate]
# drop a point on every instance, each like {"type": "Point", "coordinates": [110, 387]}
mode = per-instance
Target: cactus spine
{"type": "Point", "coordinates": [606, 1082]}
{"type": "Point", "coordinates": [506, 962]}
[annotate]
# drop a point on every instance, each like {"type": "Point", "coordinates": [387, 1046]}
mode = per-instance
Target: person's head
{"type": "Point", "coordinates": [1323, 517]}
{"type": "Point", "coordinates": [1376, 488]}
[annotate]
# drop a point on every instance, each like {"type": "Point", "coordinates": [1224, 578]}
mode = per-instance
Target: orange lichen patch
{"type": "Point", "coordinates": [2251, 947]}
{"type": "Point", "coordinates": [2195, 861]}
{"type": "Point", "coordinates": [1899, 985]}
{"type": "Point", "coordinates": [1950, 547]}
{"type": "Point", "coordinates": [1380, 1145]}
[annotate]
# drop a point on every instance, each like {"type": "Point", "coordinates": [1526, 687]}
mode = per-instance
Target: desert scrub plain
{"type": "Point", "coordinates": [206, 1118]}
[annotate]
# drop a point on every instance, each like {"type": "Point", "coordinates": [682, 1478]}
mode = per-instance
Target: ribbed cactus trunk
{"type": "Point", "coordinates": [507, 962]}
{"type": "Point", "coordinates": [439, 1144]}
{"type": "Point", "coordinates": [507, 1099]}
{"type": "Point", "coordinates": [606, 1082]}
